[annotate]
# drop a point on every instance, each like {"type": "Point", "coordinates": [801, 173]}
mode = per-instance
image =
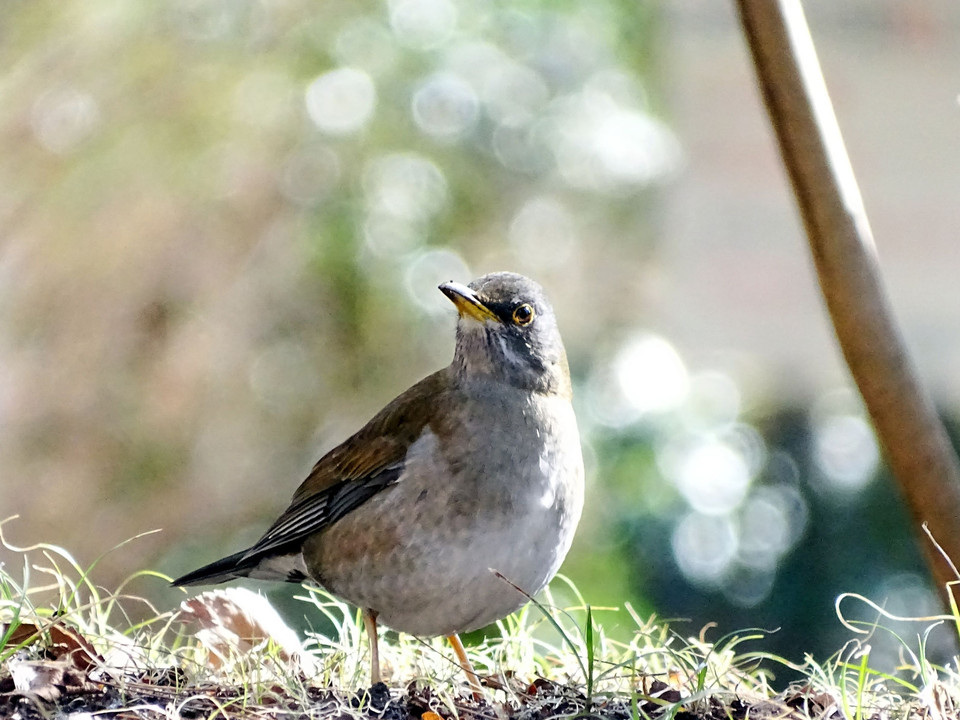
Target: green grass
{"type": "Point", "coordinates": [554, 652]}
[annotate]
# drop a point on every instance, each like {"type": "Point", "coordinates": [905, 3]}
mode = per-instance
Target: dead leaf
{"type": "Point", "coordinates": [235, 621]}
{"type": "Point", "coordinates": [67, 642]}
{"type": "Point", "coordinates": [60, 641]}
{"type": "Point", "coordinates": [46, 679]}
{"type": "Point", "coordinates": [20, 635]}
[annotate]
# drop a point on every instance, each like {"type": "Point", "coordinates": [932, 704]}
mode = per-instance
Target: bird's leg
{"type": "Point", "coordinates": [370, 623]}
{"type": "Point", "coordinates": [472, 678]}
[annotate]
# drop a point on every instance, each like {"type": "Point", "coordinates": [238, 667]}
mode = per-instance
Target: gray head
{"type": "Point", "coordinates": [507, 331]}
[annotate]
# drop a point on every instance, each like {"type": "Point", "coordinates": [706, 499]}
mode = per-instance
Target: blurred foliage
{"type": "Point", "coordinates": [223, 223]}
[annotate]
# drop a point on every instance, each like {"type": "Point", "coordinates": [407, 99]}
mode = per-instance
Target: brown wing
{"type": "Point", "coordinates": [353, 472]}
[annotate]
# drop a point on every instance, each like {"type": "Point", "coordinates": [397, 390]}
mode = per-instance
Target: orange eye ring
{"type": "Point", "coordinates": [524, 314]}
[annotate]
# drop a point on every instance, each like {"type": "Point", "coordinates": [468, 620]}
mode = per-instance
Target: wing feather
{"type": "Point", "coordinates": [355, 471]}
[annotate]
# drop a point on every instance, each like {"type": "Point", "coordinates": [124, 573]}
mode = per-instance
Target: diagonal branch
{"type": "Point", "coordinates": [914, 439]}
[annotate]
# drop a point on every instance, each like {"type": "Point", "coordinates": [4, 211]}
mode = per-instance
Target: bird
{"type": "Point", "coordinates": [470, 478]}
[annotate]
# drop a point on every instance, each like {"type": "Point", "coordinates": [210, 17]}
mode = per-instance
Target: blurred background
{"type": "Point", "coordinates": [222, 225]}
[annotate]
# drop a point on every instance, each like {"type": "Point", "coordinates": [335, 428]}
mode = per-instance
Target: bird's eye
{"type": "Point", "coordinates": [523, 315]}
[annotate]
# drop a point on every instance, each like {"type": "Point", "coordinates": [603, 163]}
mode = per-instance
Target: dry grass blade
{"type": "Point", "coordinates": [82, 647]}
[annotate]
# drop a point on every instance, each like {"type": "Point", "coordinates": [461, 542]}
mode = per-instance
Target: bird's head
{"type": "Point", "coordinates": [507, 331]}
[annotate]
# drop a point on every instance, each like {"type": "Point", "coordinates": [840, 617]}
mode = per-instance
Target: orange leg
{"type": "Point", "coordinates": [370, 623]}
{"type": "Point", "coordinates": [472, 677]}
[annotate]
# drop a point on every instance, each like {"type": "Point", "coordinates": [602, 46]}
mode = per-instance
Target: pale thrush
{"type": "Point", "coordinates": [475, 468]}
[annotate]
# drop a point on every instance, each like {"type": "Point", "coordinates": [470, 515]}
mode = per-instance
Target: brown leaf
{"type": "Point", "coordinates": [60, 641]}
{"type": "Point", "coordinates": [69, 643]}
{"type": "Point", "coordinates": [234, 621]}
{"type": "Point", "coordinates": [22, 634]}
{"type": "Point", "coordinates": [46, 679]}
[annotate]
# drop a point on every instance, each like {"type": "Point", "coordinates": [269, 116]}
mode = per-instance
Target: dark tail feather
{"type": "Point", "coordinates": [228, 568]}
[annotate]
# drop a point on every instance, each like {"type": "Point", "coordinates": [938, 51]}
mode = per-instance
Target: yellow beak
{"type": "Point", "coordinates": [467, 302]}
